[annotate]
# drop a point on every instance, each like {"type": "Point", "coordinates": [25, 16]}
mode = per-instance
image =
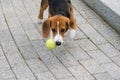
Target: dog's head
{"type": "Point", "coordinates": [56, 27]}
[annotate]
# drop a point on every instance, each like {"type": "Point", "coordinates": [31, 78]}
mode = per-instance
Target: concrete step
{"type": "Point", "coordinates": [109, 10]}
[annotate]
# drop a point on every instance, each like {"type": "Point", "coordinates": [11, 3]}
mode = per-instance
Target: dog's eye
{"type": "Point", "coordinates": [53, 30]}
{"type": "Point", "coordinates": [63, 30]}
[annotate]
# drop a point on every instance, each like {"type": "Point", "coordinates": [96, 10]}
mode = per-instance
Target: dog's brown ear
{"type": "Point", "coordinates": [46, 28]}
{"type": "Point", "coordinates": [67, 24]}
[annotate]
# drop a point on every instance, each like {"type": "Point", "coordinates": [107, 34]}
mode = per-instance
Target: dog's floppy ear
{"type": "Point", "coordinates": [67, 24]}
{"type": "Point", "coordinates": [46, 28]}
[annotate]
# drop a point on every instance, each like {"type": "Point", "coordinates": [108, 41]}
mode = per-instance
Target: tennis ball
{"type": "Point", "coordinates": [50, 44]}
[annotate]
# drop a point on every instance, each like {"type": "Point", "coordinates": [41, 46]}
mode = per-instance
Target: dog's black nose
{"type": "Point", "coordinates": [58, 43]}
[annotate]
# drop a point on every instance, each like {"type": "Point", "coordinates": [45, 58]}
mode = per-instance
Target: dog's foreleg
{"type": "Point", "coordinates": [44, 5]}
{"type": "Point", "coordinates": [72, 33]}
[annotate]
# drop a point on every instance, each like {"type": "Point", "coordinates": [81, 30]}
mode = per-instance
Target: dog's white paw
{"type": "Point", "coordinates": [40, 21]}
{"type": "Point", "coordinates": [72, 33]}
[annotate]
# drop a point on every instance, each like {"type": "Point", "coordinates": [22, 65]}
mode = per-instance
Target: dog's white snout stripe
{"type": "Point", "coordinates": [58, 37]}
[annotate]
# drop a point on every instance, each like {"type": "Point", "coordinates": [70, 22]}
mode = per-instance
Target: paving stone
{"type": "Point", "coordinates": [80, 19]}
{"type": "Point", "coordinates": [7, 8]}
{"type": "Point", "coordinates": [37, 3]}
{"type": "Point", "coordinates": [105, 29]}
{"type": "Point", "coordinates": [28, 52]}
{"type": "Point", "coordinates": [13, 22]}
{"type": "Point", "coordinates": [64, 57]}
{"type": "Point", "coordinates": [54, 65]}
{"type": "Point", "coordinates": [81, 5]}
{"type": "Point", "coordinates": [109, 50]}
{"type": "Point", "coordinates": [30, 6]}
{"type": "Point", "coordinates": [11, 50]}
{"type": "Point", "coordinates": [112, 69]}
{"type": "Point", "coordinates": [27, 75]}
{"type": "Point", "coordinates": [2, 78]}
{"type": "Point", "coordinates": [101, 26]}
{"type": "Point", "coordinates": [33, 34]}
{"type": "Point", "coordinates": [35, 22]}
{"type": "Point", "coordinates": [23, 17]}
{"type": "Point", "coordinates": [17, 31]}
{"type": "Point", "coordinates": [89, 14]}
{"type": "Point", "coordinates": [115, 41]}
{"type": "Point", "coordinates": [5, 35]}
{"type": "Point", "coordinates": [116, 59]}
{"type": "Point", "coordinates": [80, 73]}
{"type": "Point", "coordinates": [15, 26]}
{"type": "Point", "coordinates": [86, 44]}
{"type": "Point", "coordinates": [37, 66]}
{"type": "Point", "coordinates": [19, 7]}
{"type": "Point", "coordinates": [39, 45]}
{"type": "Point", "coordinates": [1, 13]}
{"type": "Point", "coordinates": [103, 76]}
{"type": "Point", "coordinates": [92, 66]}
{"type": "Point", "coordinates": [99, 56]}
{"type": "Point", "coordinates": [69, 78]}
{"type": "Point", "coordinates": [5, 71]}
{"type": "Point", "coordinates": [26, 22]}
{"type": "Point", "coordinates": [22, 40]}
{"type": "Point", "coordinates": [92, 34]}
{"type": "Point", "coordinates": [45, 76]}
{"type": "Point", "coordinates": [3, 25]}
{"type": "Point", "coordinates": [16, 61]}
{"type": "Point", "coordinates": [68, 43]}
{"type": "Point", "coordinates": [48, 59]}
{"type": "Point", "coordinates": [40, 70]}
{"type": "Point", "coordinates": [12, 79]}
{"type": "Point", "coordinates": [7, 78]}
{"type": "Point", "coordinates": [78, 53]}
{"type": "Point", "coordinates": [79, 34]}
{"type": "Point", "coordinates": [76, 12]}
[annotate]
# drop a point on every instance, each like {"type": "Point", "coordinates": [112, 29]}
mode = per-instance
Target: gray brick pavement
{"type": "Point", "coordinates": [116, 59]}
{"type": "Point", "coordinates": [86, 44]}
{"type": "Point", "coordinates": [112, 69]}
{"type": "Point", "coordinates": [92, 66]}
{"type": "Point", "coordinates": [109, 50]}
{"type": "Point", "coordinates": [94, 54]}
{"type": "Point", "coordinates": [92, 34]}
{"type": "Point", "coordinates": [5, 70]}
{"type": "Point", "coordinates": [78, 53]}
{"type": "Point", "coordinates": [103, 76]}
{"type": "Point", "coordinates": [80, 73]}
{"type": "Point", "coordinates": [99, 56]}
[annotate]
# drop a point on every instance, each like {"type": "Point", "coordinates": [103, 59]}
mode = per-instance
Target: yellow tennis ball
{"type": "Point", "coordinates": [50, 44]}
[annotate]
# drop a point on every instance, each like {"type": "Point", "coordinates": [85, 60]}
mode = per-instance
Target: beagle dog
{"type": "Point", "coordinates": [60, 20]}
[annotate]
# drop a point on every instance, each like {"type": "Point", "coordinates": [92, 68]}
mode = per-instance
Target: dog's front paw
{"type": "Point", "coordinates": [40, 21]}
{"type": "Point", "coordinates": [72, 33]}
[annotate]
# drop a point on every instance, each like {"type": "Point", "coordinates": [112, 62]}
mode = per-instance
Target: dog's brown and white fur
{"type": "Point", "coordinates": [60, 19]}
